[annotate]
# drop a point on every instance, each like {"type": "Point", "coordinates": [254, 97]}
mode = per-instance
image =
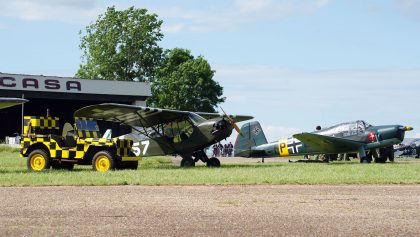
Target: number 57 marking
{"type": "Point", "coordinates": [136, 147]}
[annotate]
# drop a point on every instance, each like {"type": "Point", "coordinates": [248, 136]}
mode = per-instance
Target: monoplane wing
{"type": "Point", "coordinates": [327, 143]}
{"type": "Point", "coordinates": [132, 115]}
{"type": "Point", "coordinates": [9, 102]}
{"type": "Point", "coordinates": [237, 118]}
{"type": "Point", "coordinates": [139, 116]}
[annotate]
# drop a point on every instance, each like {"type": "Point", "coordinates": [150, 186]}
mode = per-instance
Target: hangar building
{"type": "Point", "coordinates": [62, 96]}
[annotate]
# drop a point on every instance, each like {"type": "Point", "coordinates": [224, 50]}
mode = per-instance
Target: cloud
{"type": "Point", "coordinates": [237, 14]}
{"type": "Point", "coordinates": [173, 28]}
{"type": "Point", "coordinates": [71, 11]}
{"type": "Point", "coordinates": [408, 8]}
{"type": "Point", "coordinates": [229, 16]}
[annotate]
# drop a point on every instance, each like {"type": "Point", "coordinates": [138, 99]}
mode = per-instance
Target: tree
{"type": "Point", "coordinates": [121, 45]}
{"type": "Point", "coordinates": [185, 83]}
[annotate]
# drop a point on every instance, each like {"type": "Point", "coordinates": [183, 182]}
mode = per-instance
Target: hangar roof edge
{"type": "Point", "coordinates": [10, 81]}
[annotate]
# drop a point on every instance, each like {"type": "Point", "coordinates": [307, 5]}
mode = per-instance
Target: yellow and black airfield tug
{"type": "Point", "coordinates": [79, 144]}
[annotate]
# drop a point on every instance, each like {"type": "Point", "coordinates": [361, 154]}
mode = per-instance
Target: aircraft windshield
{"type": "Point", "coordinates": [195, 118]}
{"type": "Point", "coordinates": [347, 129]}
{"type": "Point", "coordinates": [367, 124]}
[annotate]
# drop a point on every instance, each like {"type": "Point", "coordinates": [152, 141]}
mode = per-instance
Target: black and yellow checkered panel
{"type": "Point", "coordinates": [41, 125]}
{"type": "Point", "coordinates": [87, 128]}
{"type": "Point", "coordinates": [87, 134]}
{"type": "Point", "coordinates": [123, 147]}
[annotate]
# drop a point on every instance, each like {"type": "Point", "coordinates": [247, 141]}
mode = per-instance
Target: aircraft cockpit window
{"type": "Point", "coordinates": [367, 125]}
{"type": "Point", "coordinates": [195, 118]}
{"type": "Point", "coordinates": [178, 131]}
{"type": "Point", "coordinates": [360, 126]}
{"type": "Point", "coordinates": [353, 127]}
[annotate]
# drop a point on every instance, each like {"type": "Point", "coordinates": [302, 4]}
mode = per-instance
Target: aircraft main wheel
{"type": "Point", "coordinates": [187, 162]}
{"type": "Point", "coordinates": [213, 162]}
{"type": "Point", "coordinates": [391, 154]}
{"type": "Point", "coordinates": [103, 161]}
{"type": "Point", "coordinates": [38, 160]}
{"type": "Point", "coordinates": [383, 155]}
{"type": "Point", "coordinates": [367, 159]}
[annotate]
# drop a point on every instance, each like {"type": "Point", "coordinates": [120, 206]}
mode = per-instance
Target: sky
{"type": "Point", "coordinates": [293, 65]}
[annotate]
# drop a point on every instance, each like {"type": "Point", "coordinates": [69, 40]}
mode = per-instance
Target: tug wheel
{"type": "Point", "coordinates": [38, 160]}
{"type": "Point", "coordinates": [102, 161]}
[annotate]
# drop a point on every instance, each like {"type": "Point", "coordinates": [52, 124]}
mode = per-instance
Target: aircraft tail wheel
{"type": "Point", "coordinates": [213, 162]}
{"type": "Point", "coordinates": [187, 162]}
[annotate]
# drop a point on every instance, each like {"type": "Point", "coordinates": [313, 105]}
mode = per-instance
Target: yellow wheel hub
{"type": "Point", "coordinates": [38, 162]}
{"type": "Point", "coordinates": [102, 163]}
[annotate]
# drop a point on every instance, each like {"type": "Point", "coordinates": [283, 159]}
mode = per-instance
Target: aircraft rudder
{"type": "Point", "coordinates": [252, 135]}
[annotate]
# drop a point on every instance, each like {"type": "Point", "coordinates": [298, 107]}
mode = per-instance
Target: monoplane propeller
{"type": "Point", "coordinates": [232, 122]}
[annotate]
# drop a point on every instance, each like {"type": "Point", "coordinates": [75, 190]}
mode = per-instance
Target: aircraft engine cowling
{"type": "Point", "coordinates": [219, 125]}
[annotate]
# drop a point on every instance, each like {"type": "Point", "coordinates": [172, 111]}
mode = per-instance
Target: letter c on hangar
{"type": "Point", "coordinates": [7, 82]}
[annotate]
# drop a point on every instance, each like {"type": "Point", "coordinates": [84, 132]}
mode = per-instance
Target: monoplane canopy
{"type": "Point", "coordinates": [140, 116]}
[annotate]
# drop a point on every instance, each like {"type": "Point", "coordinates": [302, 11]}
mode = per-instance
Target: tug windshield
{"type": "Point", "coordinates": [89, 125]}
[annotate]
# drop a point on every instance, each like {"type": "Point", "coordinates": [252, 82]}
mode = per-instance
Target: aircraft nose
{"type": "Point", "coordinates": [221, 124]}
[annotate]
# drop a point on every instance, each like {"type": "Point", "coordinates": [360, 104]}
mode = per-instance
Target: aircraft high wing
{"type": "Point", "coordinates": [184, 133]}
{"type": "Point", "coordinates": [140, 116]}
{"type": "Point", "coordinates": [351, 137]}
{"type": "Point", "coordinates": [9, 102]}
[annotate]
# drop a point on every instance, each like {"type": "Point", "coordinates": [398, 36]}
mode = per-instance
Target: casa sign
{"type": "Point", "coordinates": [29, 83]}
{"type": "Point", "coordinates": [72, 85]}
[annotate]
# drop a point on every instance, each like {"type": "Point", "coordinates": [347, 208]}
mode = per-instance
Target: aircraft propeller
{"type": "Point", "coordinates": [232, 122]}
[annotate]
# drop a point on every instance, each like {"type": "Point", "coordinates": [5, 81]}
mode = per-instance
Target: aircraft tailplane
{"type": "Point", "coordinates": [253, 135]}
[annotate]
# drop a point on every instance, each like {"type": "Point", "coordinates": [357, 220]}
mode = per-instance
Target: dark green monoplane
{"type": "Point", "coordinates": [351, 137]}
{"type": "Point", "coordinates": [168, 132]}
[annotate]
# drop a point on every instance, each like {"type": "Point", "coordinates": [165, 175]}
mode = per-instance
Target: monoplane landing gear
{"type": "Point", "coordinates": [364, 158]}
{"type": "Point", "coordinates": [383, 154]}
{"type": "Point", "coordinates": [212, 162]}
{"type": "Point", "coordinates": [187, 161]}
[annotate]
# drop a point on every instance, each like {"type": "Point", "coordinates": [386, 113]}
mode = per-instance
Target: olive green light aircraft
{"type": "Point", "coordinates": [9, 102]}
{"type": "Point", "coordinates": [168, 132]}
{"type": "Point", "coordinates": [351, 137]}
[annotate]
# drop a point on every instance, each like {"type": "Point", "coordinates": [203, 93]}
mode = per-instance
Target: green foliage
{"type": "Point", "coordinates": [185, 83]}
{"type": "Point", "coordinates": [6, 148]}
{"type": "Point", "coordinates": [161, 171]}
{"type": "Point", "coordinates": [121, 45]}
